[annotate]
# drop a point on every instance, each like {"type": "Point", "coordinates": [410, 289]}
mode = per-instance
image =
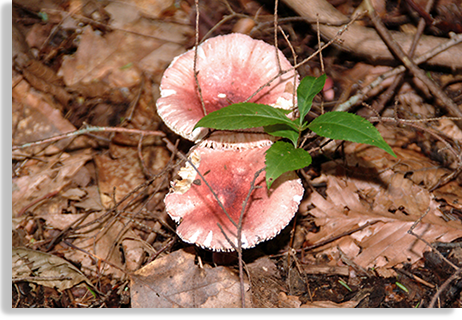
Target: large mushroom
{"type": "Point", "coordinates": [230, 69]}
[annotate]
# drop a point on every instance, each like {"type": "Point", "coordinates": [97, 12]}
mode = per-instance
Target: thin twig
{"type": "Point", "coordinates": [411, 123]}
{"type": "Point", "coordinates": [275, 21]}
{"type": "Point", "coordinates": [294, 56]}
{"type": "Point", "coordinates": [199, 90]}
{"type": "Point", "coordinates": [411, 232]}
{"type": "Point", "coordinates": [86, 130]}
{"type": "Point", "coordinates": [239, 234]}
{"type": "Point", "coordinates": [385, 97]}
{"type": "Point", "coordinates": [183, 157]}
{"type": "Point", "coordinates": [444, 286]}
{"type": "Point", "coordinates": [319, 44]}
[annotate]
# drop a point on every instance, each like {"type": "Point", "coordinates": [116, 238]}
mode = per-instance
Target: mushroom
{"type": "Point", "coordinates": [230, 68]}
{"type": "Point", "coordinates": [229, 173]}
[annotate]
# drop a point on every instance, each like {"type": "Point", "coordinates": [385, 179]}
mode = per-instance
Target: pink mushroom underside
{"type": "Point", "coordinates": [230, 174]}
{"type": "Point", "coordinates": [230, 69]}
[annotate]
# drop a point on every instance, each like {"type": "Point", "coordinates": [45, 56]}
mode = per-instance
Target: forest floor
{"type": "Point", "coordinates": [90, 228]}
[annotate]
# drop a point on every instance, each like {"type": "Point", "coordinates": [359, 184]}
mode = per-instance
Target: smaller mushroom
{"type": "Point", "coordinates": [230, 172]}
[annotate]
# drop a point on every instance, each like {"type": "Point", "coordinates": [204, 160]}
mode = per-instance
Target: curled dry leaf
{"type": "Point", "coordinates": [46, 269]}
{"type": "Point", "coordinates": [111, 59]}
{"type": "Point", "coordinates": [46, 178]}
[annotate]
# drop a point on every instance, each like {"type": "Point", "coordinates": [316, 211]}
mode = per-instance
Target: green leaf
{"type": "Point", "coordinates": [284, 131]}
{"type": "Point", "coordinates": [244, 115]}
{"type": "Point", "coordinates": [347, 126]}
{"type": "Point", "coordinates": [307, 89]}
{"type": "Point", "coordinates": [282, 157]}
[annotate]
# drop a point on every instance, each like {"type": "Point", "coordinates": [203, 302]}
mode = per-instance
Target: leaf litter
{"type": "Point", "coordinates": [386, 197]}
{"type": "Point", "coordinates": [97, 202]}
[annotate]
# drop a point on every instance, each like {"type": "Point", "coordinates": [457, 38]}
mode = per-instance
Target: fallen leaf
{"type": "Point", "coordinates": [355, 196]}
{"type": "Point", "coordinates": [46, 178]}
{"type": "Point", "coordinates": [105, 238]}
{"type": "Point", "coordinates": [121, 172]}
{"type": "Point", "coordinates": [175, 281]}
{"type": "Point", "coordinates": [46, 269]}
{"type": "Point", "coordinates": [111, 59]}
{"type": "Point", "coordinates": [37, 117]}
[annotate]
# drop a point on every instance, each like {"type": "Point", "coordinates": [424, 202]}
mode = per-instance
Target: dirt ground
{"type": "Point", "coordinates": [93, 162]}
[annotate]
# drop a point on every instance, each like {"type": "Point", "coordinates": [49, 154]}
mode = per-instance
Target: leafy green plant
{"type": "Point", "coordinates": [285, 156]}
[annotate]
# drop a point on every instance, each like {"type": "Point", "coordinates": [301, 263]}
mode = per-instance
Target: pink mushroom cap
{"type": "Point", "coordinates": [230, 172]}
{"type": "Point", "coordinates": [230, 69]}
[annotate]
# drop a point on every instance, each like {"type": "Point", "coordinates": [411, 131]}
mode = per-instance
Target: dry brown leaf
{"type": "Point", "coordinates": [36, 117]}
{"type": "Point", "coordinates": [175, 281]}
{"type": "Point", "coordinates": [122, 173]}
{"type": "Point", "coordinates": [46, 178]}
{"type": "Point", "coordinates": [45, 269]}
{"type": "Point", "coordinates": [286, 301]}
{"type": "Point", "coordinates": [358, 195]}
{"type": "Point", "coordinates": [100, 239]}
{"type": "Point", "coordinates": [114, 60]}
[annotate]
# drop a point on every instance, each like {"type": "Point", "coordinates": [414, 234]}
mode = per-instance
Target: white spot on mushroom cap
{"type": "Point", "coordinates": [208, 240]}
{"type": "Point", "coordinates": [297, 198]}
{"type": "Point", "coordinates": [221, 95]}
{"type": "Point", "coordinates": [244, 241]}
{"type": "Point", "coordinates": [167, 92]}
{"type": "Point", "coordinates": [195, 236]}
{"type": "Point", "coordinates": [201, 52]}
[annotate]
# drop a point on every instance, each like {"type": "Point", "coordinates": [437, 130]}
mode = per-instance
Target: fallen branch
{"type": "Point", "coordinates": [360, 96]}
{"type": "Point", "coordinates": [386, 96]}
{"type": "Point", "coordinates": [450, 106]}
{"type": "Point", "coordinates": [365, 41]}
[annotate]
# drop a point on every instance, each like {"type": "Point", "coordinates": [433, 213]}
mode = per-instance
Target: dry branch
{"type": "Point", "coordinates": [366, 42]}
{"type": "Point", "coordinates": [448, 104]}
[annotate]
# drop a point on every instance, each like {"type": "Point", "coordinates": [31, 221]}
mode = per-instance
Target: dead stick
{"type": "Point", "coordinates": [196, 46]}
{"type": "Point", "coordinates": [450, 106]}
{"type": "Point", "coordinates": [384, 98]}
{"type": "Point", "coordinates": [88, 130]}
{"type": "Point", "coordinates": [443, 287]}
{"type": "Point", "coordinates": [411, 232]}
{"type": "Point", "coordinates": [357, 98]}
{"type": "Point", "coordinates": [183, 157]}
{"type": "Point", "coordinates": [365, 41]}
